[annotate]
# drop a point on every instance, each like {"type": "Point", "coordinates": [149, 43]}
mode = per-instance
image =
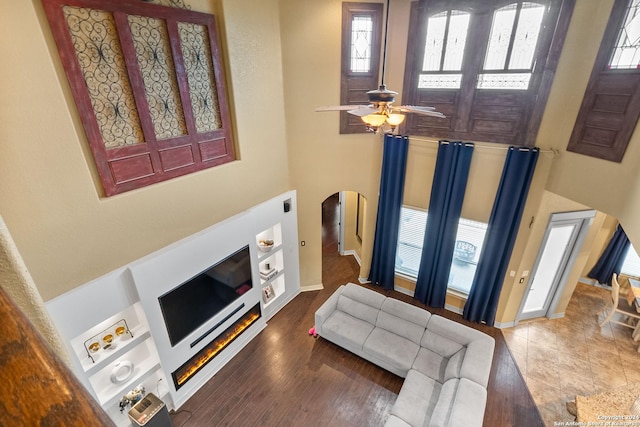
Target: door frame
{"type": "Point", "coordinates": [586, 218]}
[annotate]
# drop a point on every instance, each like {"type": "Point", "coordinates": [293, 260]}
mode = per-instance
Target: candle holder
{"type": "Point", "coordinates": [105, 340]}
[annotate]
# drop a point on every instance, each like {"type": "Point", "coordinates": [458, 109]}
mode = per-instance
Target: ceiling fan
{"type": "Point", "coordinates": [380, 110]}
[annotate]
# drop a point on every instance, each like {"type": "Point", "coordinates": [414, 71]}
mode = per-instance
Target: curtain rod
{"type": "Point", "coordinates": [488, 147]}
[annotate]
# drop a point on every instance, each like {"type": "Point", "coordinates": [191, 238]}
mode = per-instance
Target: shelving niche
{"type": "Point", "coordinates": [131, 359]}
{"type": "Point", "coordinates": [271, 265]}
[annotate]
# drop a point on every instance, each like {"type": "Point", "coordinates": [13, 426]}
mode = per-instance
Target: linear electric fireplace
{"type": "Point", "coordinates": [192, 366]}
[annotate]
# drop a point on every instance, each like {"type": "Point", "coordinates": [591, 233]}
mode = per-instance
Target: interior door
{"type": "Point", "coordinates": [560, 246]}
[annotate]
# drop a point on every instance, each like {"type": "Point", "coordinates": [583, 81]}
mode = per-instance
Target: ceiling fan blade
{"type": "Point", "coordinates": [427, 111]}
{"type": "Point", "coordinates": [339, 107]}
{"type": "Point", "coordinates": [363, 110]}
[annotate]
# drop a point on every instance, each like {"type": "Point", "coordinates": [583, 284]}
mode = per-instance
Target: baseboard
{"type": "Point", "coordinates": [505, 325]}
{"type": "Point", "coordinates": [593, 282]}
{"type": "Point", "coordinates": [556, 316]}
{"type": "Point", "coordinates": [310, 288]}
{"type": "Point", "coordinates": [588, 281]}
{"type": "Point", "coordinates": [354, 254]}
{"type": "Point", "coordinates": [453, 309]}
{"type": "Point", "coordinates": [404, 291]}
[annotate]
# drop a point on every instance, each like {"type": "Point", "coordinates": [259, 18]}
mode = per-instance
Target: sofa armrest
{"type": "Point", "coordinates": [325, 310]}
{"type": "Point", "coordinates": [477, 362]}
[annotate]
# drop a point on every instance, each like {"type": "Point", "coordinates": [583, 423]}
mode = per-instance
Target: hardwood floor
{"type": "Point", "coordinates": [284, 377]}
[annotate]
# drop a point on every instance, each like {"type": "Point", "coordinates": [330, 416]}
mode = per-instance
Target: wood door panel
{"type": "Point", "coordinates": [177, 157]}
{"type": "Point", "coordinates": [598, 136]}
{"type": "Point", "coordinates": [125, 170]}
{"type": "Point", "coordinates": [491, 126]}
{"type": "Point", "coordinates": [213, 150]}
{"type": "Point", "coordinates": [609, 103]}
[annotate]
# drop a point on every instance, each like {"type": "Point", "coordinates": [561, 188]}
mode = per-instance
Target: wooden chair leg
{"type": "Point", "coordinates": [608, 317]}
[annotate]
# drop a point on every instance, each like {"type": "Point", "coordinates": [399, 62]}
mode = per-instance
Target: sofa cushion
{"type": "Point", "coordinates": [478, 359]}
{"type": "Point", "coordinates": [394, 421]}
{"type": "Point", "coordinates": [431, 364]}
{"type": "Point", "coordinates": [418, 397]}
{"type": "Point", "coordinates": [454, 331]}
{"type": "Point", "coordinates": [398, 326]}
{"type": "Point", "coordinates": [461, 403]}
{"type": "Point", "coordinates": [346, 330]}
{"type": "Point", "coordinates": [363, 295]}
{"type": "Point", "coordinates": [406, 311]}
{"type": "Point", "coordinates": [392, 349]}
{"type": "Point", "coordinates": [440, 343]}
{"type": "Point", "coordinates": [454, 365]}
{"type": "Point", "coordinates": [358, 309]}
{"type": "Point", "coordinates": [442, 410]}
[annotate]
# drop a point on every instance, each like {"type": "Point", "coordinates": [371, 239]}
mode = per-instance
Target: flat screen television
{"type": "Point", "coordinates": [189, 305]}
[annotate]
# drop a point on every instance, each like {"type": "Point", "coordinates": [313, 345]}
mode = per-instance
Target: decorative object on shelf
{"type": "Point", "coordinates": [108, 341]}
{"type": "Point", "coordinates": [265, 245]}
{"type": "Point", "coordinates": [121, 372]}
{"type": "Point", "coordinates": [107, 338]}
{"type": "Point", "coordinates": [132, 397]}
{"type": "Point", "coordinates": [268, 272]}
{"type": "Point", "coordinates": [268, 293]}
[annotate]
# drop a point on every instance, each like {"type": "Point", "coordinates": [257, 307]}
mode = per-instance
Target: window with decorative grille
{"type": "Point", "coordinates": [361, 41]}
{"type": "Point", "coordinates": [486, 64]}
{"type": "Point", "coordinates": [149, 86]}
{"type": "Point", "coordinates": [611, 105]}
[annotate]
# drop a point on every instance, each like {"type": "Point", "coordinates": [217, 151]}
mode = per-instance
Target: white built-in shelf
{"type": "Point", "coordinates": [262, 255]}
{"type": "Point", "coordinates": [122, 345]}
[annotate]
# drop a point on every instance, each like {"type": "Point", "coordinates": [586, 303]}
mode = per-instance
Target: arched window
{"type": "Point", "coordinates": [444, 49]}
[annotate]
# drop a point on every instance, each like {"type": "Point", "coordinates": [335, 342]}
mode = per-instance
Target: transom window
{"type": "Point", "coordinates": [360, 58]}
{"type": "Point", "coordinates": [469, 240]}
{"type": "Point", "coordinates": [511, 48]}
{"type": "Point", "coordinates": [626, 52]}
{"type": "Point", "coordinates": [361, 40]}
{"type": "Point", "coordinates": [444, 49]}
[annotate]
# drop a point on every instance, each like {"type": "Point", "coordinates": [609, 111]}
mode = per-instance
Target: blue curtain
{"type": "Point", "coordinates": [612, 258]}
{"type": "Point", "coordinates": [445, 205]}
{"type": "Point", "coordinates": [394, 163]}
{"type": "Point", "coordinates": [501, 234]}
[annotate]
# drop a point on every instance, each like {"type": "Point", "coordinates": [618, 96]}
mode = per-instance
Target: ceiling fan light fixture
{"type": "Point", "coordinates": [374, 120]}
{"type": "Point", "coordinates": [395, 119]}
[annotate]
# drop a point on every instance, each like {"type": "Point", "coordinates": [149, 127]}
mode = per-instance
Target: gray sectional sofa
{"type": "Point", "coordinates": [446, 365]}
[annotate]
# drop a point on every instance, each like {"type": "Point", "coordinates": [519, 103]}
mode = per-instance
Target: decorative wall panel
{"type": "Point", "coordinates": [149, 86]}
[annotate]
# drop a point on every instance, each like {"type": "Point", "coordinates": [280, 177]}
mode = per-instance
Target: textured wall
{"type": "Point", "coordinates": [17, 283]}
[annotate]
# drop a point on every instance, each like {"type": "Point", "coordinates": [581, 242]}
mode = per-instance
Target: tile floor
{"type": "Point", "coordinates": [561, 358]}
